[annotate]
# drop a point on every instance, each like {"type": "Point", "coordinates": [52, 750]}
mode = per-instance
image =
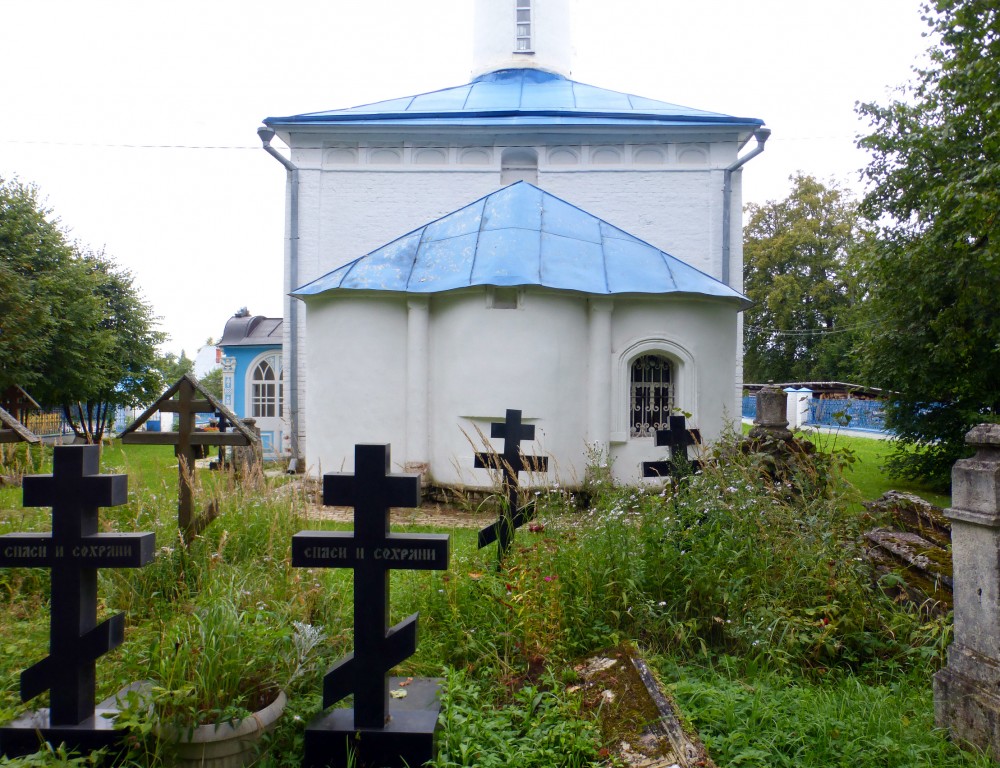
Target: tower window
{"type": "Point", "coordinates": [522, 39]}
{"type": "Point", "coordinates": [519, 164]}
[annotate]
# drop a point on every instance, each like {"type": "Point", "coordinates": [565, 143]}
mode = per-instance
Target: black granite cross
{"type": "Point", "coordinates": [371, 550]}
{"type": "Point", "coordinates": [74, 551]}
{"type": "Point", "coordinates": [677, 437]}
{"type": "Point", "coordinates": [510, 462]}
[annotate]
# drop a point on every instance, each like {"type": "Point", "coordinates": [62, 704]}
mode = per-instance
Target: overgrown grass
{"type": "Point", "coordinates": [752, 716]}
{"type": "Point", "coordinates": [752, 595]}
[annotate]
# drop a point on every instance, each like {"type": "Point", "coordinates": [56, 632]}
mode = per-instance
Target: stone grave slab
{"type": "Point", "coordinates": [73, 551]}
{"type": "Point", "coordinates": [378, 730]}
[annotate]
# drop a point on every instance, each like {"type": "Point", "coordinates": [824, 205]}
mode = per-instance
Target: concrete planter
{"type": "Point", "coordinates": [226, 745]}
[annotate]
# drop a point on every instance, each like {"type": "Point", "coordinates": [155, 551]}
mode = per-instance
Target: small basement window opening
{"type": "Point", "coordinates": [503, 298]}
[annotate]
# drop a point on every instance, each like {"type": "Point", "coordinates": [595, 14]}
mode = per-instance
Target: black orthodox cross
{"type": "Point", "coordinates": [677, 437]}
{"type": "Point", "coordinates": [74, 551]}
{"type": "Point", "coordinates": [510, 462]}
{"type": "Point", "coordinates": [371, 550]}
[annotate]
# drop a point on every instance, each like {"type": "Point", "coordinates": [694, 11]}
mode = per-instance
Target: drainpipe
{"type": "Point", "coordinates": [266, 134]}
{"type": "Point", "coordinates": [761, 134]}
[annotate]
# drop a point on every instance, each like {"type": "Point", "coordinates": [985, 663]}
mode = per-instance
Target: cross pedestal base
{"type": "Point", "coordinates": [966, 699]}
{"type": "Point", "coordinates": [406, 740]}
{"type": "Point", "coordinates": [25, 735]}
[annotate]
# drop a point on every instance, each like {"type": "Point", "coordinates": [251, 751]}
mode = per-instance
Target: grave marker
{"type": "Point", "coordinates": [379, 731]}
{"type": "Point", "coordinates": [677, 437]}
{"type": "Point", "coordinates": [73, 551]}
{"type": "Point", "coordinates": [189, 444]}
{"type": "Point", "coordinates": [510, 462]}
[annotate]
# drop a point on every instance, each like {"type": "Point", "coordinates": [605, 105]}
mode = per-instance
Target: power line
{"type": "Point", "coordinates": [812, 331]}
{"type": "Point", "coordinates": [94, 145]}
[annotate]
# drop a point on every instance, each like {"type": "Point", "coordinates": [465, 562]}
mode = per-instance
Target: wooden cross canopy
{"type": "Point", "coordinates": [17, 402]}
{"type": "Point", "coordinates": [192, 399]}
{"type": "Point", "coordinates": [13, 431]}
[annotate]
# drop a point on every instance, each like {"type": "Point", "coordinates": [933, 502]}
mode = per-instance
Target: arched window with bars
{"type": "Point", "coordinates": [651, 394]}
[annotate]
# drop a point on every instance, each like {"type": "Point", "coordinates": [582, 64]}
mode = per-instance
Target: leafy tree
{"type": "Point", "coordinates": [74, 329]}
{"type": "Point", "coordinates": [172, 367]}
{"type": "Point", "coordinates": [934, 270]}
{"type": "Point", "coordinates": [798, 274]}
{"type": "Point", "coordinates": [118, 351]}
{"type": "Point", "coordinates": [37, 272]}
{"type": "Point", "coordinates": [212, 382]}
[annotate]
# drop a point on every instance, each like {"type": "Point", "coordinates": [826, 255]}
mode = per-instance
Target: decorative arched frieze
{"type": "Point", "coordinates": [335, 156]}
{"type": "Point", "coordinates": [475, 156]}
{"type": "Point", "coordinates": [606, 156]}
{"type": "Point", "coordinates": [563, 156]}
{"type": "Point", "coordinates": [430, 157]}
{"type": "Point", "coordinates": [649, 156]}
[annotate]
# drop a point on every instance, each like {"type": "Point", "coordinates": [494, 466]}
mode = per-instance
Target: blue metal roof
{"type": "Point", "coordinates": [520, 235]}
{"type": "Point", "coordinates": [518, 96]}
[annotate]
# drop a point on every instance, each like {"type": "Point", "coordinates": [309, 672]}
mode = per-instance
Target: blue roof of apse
{"type": "Point", "coordinates": [516, 236]}
{"type": "Point", "coordinates": [518, 97]}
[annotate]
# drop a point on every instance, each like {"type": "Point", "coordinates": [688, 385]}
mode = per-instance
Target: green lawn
{"type": "Point", "coordinates": [866, 473]}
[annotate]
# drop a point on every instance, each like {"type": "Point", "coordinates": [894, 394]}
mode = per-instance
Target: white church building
{"type": "Point", "coordinates": [522, 241]}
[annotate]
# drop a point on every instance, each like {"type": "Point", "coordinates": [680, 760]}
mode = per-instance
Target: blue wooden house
{"type": "Point", "coordinates": [253, 376]}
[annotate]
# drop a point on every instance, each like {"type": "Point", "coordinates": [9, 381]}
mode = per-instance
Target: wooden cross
{"type": "Point", "coordinates": [371, 550]}
{"type": "Point", "coordinates": [510, 462]}
{"type": "Point", "coordinates": [678, 437]}
{"type": "Point", "coordinates": [74, 551]}
{"type": "Point", "coordinates": [189, 444]}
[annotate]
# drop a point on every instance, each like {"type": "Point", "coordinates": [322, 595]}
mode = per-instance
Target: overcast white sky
{"type": "Point", "coordinates": [137, 120]}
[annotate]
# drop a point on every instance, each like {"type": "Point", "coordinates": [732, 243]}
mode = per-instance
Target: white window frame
{"type": "Point", "coordinates": [274, 361]}
{"type": "Point", "coordinates": [684, 375]}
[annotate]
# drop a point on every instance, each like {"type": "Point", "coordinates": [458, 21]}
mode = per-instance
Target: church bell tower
{"type": "Point", "coordinates": [519, 34]}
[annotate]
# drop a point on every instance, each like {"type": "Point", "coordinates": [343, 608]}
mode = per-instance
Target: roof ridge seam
{"type": "Point", "coordinates": [479, 232]}
{"type": "Point", "coordinates": [350, 268]}
{"type": "Point", "coordinates": [666, 263]}
{"type": "Point", "coordinates": [416, 255]}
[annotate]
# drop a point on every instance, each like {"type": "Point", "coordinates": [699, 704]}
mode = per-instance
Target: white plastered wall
{"type": "Point", "coordinates": [357, 195]}
{"type": "Point", "coordinates": [482, 361]}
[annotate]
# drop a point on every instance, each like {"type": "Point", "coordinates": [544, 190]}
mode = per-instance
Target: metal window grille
{"type": "Point", "coordinates": [522, 40]}
{"type": "Point", "coordinates": [265, 398]}
{"type": "Point", "coordinates": [652, 395]}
